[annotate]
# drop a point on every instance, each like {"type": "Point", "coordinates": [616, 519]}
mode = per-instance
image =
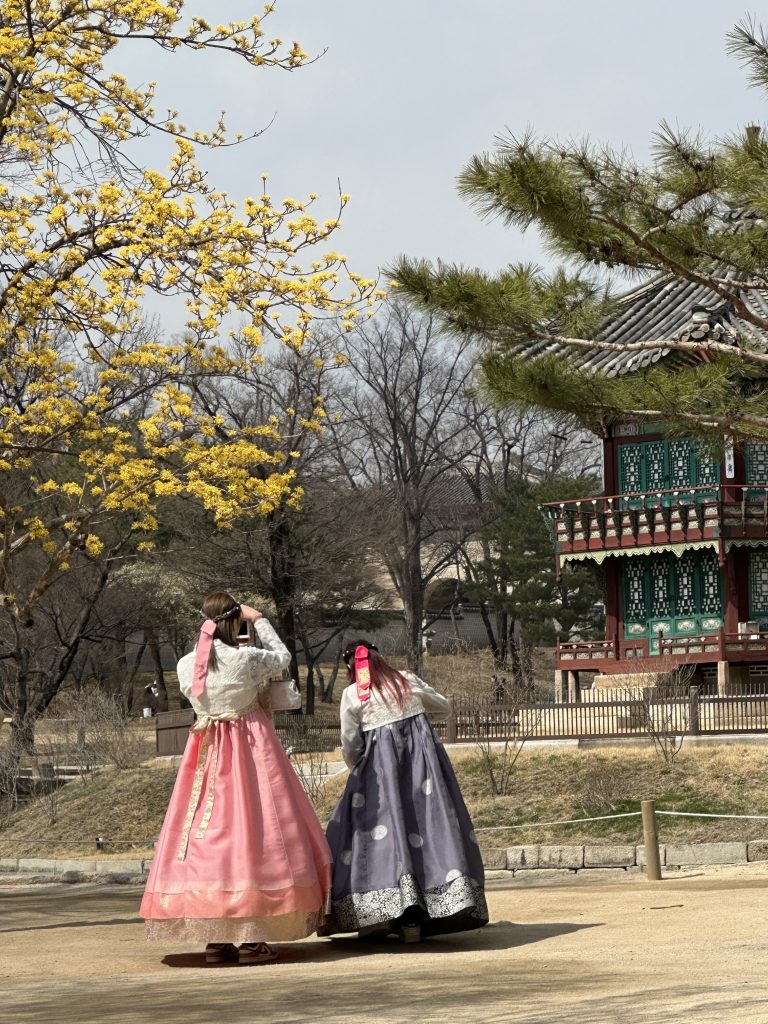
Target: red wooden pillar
{"type": "Point", "coordinates": [613, 611]}
{"type": "Point", "coordinates": [731, 593]}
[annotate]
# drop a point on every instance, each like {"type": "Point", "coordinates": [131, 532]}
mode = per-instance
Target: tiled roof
{"type": "Point", "coordinates": [666, 308]}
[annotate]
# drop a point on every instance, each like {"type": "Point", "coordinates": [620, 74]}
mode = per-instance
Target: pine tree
{"type": "Point", "coordinates": [520, 578]}
{"type": "Point", "coordinates": [698, 212]}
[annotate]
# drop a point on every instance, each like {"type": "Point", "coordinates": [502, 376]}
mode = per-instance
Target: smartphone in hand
{"type": "Point", "coordinates": [245, 635]}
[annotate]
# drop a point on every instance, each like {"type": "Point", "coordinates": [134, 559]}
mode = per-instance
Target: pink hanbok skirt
{"type": "Point", "coordinates": [241, 856]}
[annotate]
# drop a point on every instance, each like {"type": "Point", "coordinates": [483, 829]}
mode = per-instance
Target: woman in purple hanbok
{"type": "Point", "coordinates": [406, 858]}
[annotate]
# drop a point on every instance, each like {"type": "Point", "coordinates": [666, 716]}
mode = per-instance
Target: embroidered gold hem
{"type": "Point", "coordinates": [286, 928]}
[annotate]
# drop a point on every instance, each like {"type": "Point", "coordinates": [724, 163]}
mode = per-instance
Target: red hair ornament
{"type": "Point", "coordinates": [362, 673]}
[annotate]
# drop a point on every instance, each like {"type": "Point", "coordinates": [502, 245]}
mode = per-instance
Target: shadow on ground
{"type": "Point", "coordinates": [500, 935]}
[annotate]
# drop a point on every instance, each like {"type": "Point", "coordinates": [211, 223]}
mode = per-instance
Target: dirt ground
{"type": "Point", "coordinates": [692, 948]}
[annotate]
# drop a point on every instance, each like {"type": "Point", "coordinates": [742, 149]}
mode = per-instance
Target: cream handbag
{"type": "Point", "coordinates": [283, 694]}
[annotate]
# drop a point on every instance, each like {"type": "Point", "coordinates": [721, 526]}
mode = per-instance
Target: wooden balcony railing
{"type": "Point", "coordinates": [591, 655]}
{"type": "Point", "coordinates": [642, 519]}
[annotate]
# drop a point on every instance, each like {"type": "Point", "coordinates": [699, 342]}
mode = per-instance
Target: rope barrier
{"type": "Point", "coordinates": [628, 814]}
{"type": "Point", "coordinates": [569, 821]}
{"type": "Point", "coordinates": [490, 828]}
{"type": "Point", "coordinates": [698, 814]}
{"type": "Point", "coordinates": [142, 843]}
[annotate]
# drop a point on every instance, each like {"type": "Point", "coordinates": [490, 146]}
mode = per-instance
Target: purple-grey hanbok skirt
{"type": "Point", "coordinates": [402, 839]}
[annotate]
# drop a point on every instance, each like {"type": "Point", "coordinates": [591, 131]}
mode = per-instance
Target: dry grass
{"type": "Point", "coordinates": [575, 784]}
{"type": "Point", "coordinates": [127, 807]}
{"type": "Point", "coordinates": [558, 785]}
{"type": "Point", "coordinates": [547, 785]}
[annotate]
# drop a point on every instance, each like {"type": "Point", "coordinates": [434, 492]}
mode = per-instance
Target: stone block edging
{"type": "Point", "coordinates": [77, 870]}
{"type": "Point", "coordinates": [527, 862]}
{"type": "Point", "coordinates": [551, 861]}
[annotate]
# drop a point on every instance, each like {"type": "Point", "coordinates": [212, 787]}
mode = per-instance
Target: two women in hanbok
{"type": "Point", "coordinates": [242, 860]}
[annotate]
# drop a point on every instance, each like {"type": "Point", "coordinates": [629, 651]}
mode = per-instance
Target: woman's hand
{"type": "Point", "coordinates": [249, 614]}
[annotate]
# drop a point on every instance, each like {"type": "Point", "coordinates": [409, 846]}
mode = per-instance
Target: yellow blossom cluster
{"type": "Point", "coordinates": [98, 415]}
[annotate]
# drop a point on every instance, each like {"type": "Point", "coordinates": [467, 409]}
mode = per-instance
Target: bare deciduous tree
{"type": "Point", "coordinates": [400, 435]}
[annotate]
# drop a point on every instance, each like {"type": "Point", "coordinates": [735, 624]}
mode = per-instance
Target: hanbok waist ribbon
{"type": "Point", "coordinates": [208, 725]}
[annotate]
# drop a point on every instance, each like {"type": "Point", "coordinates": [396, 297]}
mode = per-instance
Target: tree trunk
{"type": "Point", "coordinates": [310, 701]}
{"type": "Point", "coordinates": [23, 719]}
{"type": "Point", "coordinates": [493, 643]}
{"type": "Point", "coordinates": [29, 707]}
{"type": "Point", "coordinates": [502, 632]}
{"type": "Point", "coordinates": [150, 636]}
{"type": "Point", "coordinates": [283, 584]}
{"type": "Point", "coordinates": [413, 592]}
{"type": "Point", "coordinates": [328, 688]}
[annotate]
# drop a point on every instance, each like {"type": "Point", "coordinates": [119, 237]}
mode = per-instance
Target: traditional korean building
{"type": "Point", "coordinates": [682, 533]}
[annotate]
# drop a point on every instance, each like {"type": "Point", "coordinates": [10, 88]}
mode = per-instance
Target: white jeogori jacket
{"type": "Point", "coordinates": [241, 676]}
{"type": "Point", "coordinates": [358, 717]}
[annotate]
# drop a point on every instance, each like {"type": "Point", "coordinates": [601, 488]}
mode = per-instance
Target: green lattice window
{"type": "Point", "coordinates": [710, 599]}
{"type": "Point", "coordinates": [758, 583]}
{"type": "Point", "coordinates": [635, 590]}
{"type": "Point", "coordinates": [648, 466]}
{"type": "Point", "coordinates": [661, 587]}
{"type": "Point", "coordinates": [685, 578]}
{"type": "Point", "coordinates": [756, 466]}
{"type": "Point", "coordinates": [678, 595]}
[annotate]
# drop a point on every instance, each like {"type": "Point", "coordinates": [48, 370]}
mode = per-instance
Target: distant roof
{"type": "Point", "coordinates": [665, 308]}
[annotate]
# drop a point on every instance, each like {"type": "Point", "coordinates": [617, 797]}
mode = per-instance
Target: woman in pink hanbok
{"type": "Point", "coordinates": [241, 859]}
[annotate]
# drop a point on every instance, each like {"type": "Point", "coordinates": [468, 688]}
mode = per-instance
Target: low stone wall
{"type": "Point", "coordinates": [519, 862]}
{"type": "Point", "coordinates": [544, 861]}
{"type": "Point", "coordinates": [114, 870]}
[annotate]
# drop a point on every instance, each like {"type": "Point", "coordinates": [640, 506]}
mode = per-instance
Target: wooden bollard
{"type": "Point", "coordinates": [651, 839]}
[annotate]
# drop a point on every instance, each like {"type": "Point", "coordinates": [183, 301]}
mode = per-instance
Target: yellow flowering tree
{"type": "Point", "coordinates": [100, 418]}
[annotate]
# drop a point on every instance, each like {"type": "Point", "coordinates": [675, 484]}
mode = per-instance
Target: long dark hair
{"type": "Point", "coordinates": [224, 610]}
{"type": "Point", "coordinates": [385, 680]}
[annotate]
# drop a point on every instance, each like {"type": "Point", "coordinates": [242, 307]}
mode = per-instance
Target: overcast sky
{"type": "Point", "coordinates": [407, 91]}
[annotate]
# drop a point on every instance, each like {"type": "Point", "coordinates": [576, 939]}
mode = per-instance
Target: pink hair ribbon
{"type": "Point", "coordinates": [362, 673]}
{"type": "Point", "coordinates": [202, 651]}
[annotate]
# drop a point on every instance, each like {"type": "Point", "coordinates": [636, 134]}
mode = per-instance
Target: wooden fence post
{"type": "Point", "coordinates": [651, 838]}
{"type": "Point", "coordinates": [694, 716]}
{"type": "Point", "coordinates": [450, 726]}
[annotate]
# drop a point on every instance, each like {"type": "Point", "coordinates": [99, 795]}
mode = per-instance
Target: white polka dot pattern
{"type": "Point", "coordinates": [415, 839]}
{"type": "Point", "coordinates": [358, 800]}
{"type": "Point", "coordinates": [379, 832]}
{"type": "Point", "coordinates": [426, 787]}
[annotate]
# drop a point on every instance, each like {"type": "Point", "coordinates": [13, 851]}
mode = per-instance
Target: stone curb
{"type": "Point", "coordinates": [616, 859]}
{"type": "Point", "coordinates": [526, 863]}
{"type": "Point", "coordinates": [43, 869]}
